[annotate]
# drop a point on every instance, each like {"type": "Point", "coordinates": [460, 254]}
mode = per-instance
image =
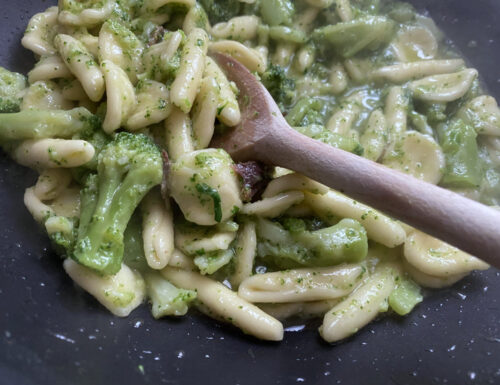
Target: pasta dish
{"type": "Point", "coordinates": [119, 112]}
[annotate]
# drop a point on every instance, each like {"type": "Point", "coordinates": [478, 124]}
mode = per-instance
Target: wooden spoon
{"type": "Point", "coordinates": [264, 135]}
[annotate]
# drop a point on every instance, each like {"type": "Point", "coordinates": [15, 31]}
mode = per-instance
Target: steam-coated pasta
{"type": "Point", "coordinates": [123, 106]}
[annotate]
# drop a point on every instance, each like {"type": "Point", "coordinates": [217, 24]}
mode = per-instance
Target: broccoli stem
{"type": "Point", "coordinates": [40, 124]}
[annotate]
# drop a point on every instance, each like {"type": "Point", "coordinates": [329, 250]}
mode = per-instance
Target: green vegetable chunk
{"type": "Point", "coordinates": [405, 297]}
{"type": "Point", "coordinates": [279, 85]}
{"type": "Point", "coordinates": [11, 86]}
{"type": "Point", "coordinates": [205, 189]}
{"type": "Point", "coordinates": [458, 141]}
{"type": "Point", "coordinates": [344, 242]}
{"type": "Point", "coordinates": [40, 124]}
{"type": "Point", "coordinates": [218, 12]}
{"type": "Point", "coordinates": [320, 133]}
{"type": "Point", "coordinates": [349, 38]}
{"type": "Point", "coordinates": [133, 254]}
{"type": "Point", "coordinates": [277, 12]}
{"type": "Point", "coordinates": [128, 167]}
{"type": "Point", "coordinates": [209, 263]}
{"type": "Point", "coordinates": [166, 299]}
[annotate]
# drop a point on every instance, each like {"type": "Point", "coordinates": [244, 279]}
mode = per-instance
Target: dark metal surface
{"type": "Point", "coordinates": [51, 333]}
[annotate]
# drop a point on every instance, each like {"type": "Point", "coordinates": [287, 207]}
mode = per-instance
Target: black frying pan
{"type": "Point", "coordinates": [51, 333]}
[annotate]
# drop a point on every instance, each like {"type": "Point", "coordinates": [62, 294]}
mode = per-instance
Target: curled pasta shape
{"type": "Point", "coordinates": [418, 155]}
{"type": "Point", "coordinates": [205, 187]}
{"type": "Point", "coordinates": [90, 41]}
{"type": "Point", "coordinates": [374, 139]}
{"type": "Point", "coordinates": [178, 133]}
{"type": "Point", "coordinates": [246, 56]}
{"type": "Point", "coordinates": [225, 304]}
{"type": "Point", "coordinates": [157, 230]}
{"type": "Point", "coordinates": [51, 67]}
{"type": "Point", "coordinates": [120, 293]}
{"type": "Point", "coordinates": [45, 95]}
{"type": "Point", "coordinates": [306, 18]}
{"type": "Point", "coordinates": [444, 88]}
{"type": "Point", "coordinates": [40, 32]}
{"type": "Point", "coordinates": [53, 153]}
{"type": "Point", "coordinates": [194, 240]}
{"type": "Point", "coordinates": [305, 58]}
{"type": "Point", "coordinates": [228, 110]}
{"type": "Point", "coordinates": [153, 105]}
{"type": "Point", "coordinates": [415, 43]}
{"type": "Point", "coordinates": [360, 307]}
{"type": "Point", "coordinates": [301, 284]}
{"type": "Point", "coordinates": [238, 28]}
{"type": "Point", "coordinates": [379, 227]}
{"type": "Point", "coordinates": [85, 13]}
{"type": "Point", "coordinates": [313, 309]}
{"type": "Point", "coordinates": [119, 45]}
{"type": "Point", "coordinates": [483, 114]}
{"type": "Point", "coordinates": [338, 79]}
{"type": "Point", "coordinates": [431, 281]}
{"type": "Point", "coordinates": [344, 9]}
{"type": "Point", "coordinates": [396, 114]}
{"type": "Point", "coordinates": [195, 18]}
{"type": "Point", "coordinates": [67, 203]}
{"type": "Point", "coordinates": [51, 183]}
{"type": "Point", "coordinates": [275, 206]}
{"type": "Point", "coordinates": [402, 72]}
{"type": "Point", "coordinates": [245, 251]}
{"type": "Point", "coordinates": [39, 210]}
{"type": "Point", "coordinates": [205, 112]}
{"type": "Point", "coordinates": [155, 56]}
{"type": "Point", "coordinates": [181, 261]}
{"type": "Point", "coordinates": [73, 90]}
{"type": "Point", "coordinates": [283, 54]}
{"type": "Point", "coordinates": [82, 64]}
{"type": "Point", "coordinates": [359, 70]}
{"type": "Point", "coordinates": [187, 82]}
{"type": "Point", "coordinates": [291, 182]}
{"type": "Point", "coordinates": [434, 257]}
{"type": "Point", "coordinates": [121, 98]}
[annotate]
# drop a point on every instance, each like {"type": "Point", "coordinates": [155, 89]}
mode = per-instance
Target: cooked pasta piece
{"type": "Point", "coordinates": [120, 293]}
{"type": "Point", "coordinates": [39, 210]}
{"type": "Point", "coordinates": [240, 28]}
{"type": "Point", "coordinates": [152, 105]}
{"type": "Point", "coordinates": [436, 258]}
{"type": "Point", "coordinates": [415, 43]}
{"type": "Point", "coordinates": [228, 110]}
{"type": "Point", "coordinates": [41, 31]}
{"type": "Point", "coordinates": [246, 56]}
{"type": "Point", "coordinates": [338, 79]}
{"type": "Point", "coordinates": [444, 88]}
{"type": "Point", "coordinates": [400, 73]}
{"type": "Point", "coordinates": [292, 182]}
{"type": "Point", "coordinates": [50, 67]}
{"type": "Point", "coordinates": [245, 251]}
{"type": "Point", "coordinates": [82, 64]}
{"type": "Point", "coordinates": [359, 308]}
{"type": "Point", "coordinates": [374, 139]}
{"type": "Point", "coordinates": [121, 98]}
{"type": "Point", "coordinates": [53, 153]}
{"type": "Point", "coordinates": [396, 115]}
{"type": "Point", "coordinates": [275, 206]}
{"type": "Point", "coordinates": [85, 13]}
{"type": "Point", "coordinates": [301, 284]}
{"type": "Point", "coordinates": [225, 304]}
{"type": "Point", "coordinates": [282, 311]}
{"type": "Point", "coordinates": [157, 230]}
{"type": "Point", "coordinates": [51, 183]}
{"type": "Point", "coordinates": [188, 79]}
{"type": "Point", "coordinates": [205, 112]}
{"type": "Point", "coordinates": [483, 114]}
{"type": "Point", "coordinates": [178, 134]}
{"type": "Point", "coordinates": [431, 281]}
{"type": "Point", "coordinates": [45, 95]}
{"type": "Point", "coordinates": [73, 90]}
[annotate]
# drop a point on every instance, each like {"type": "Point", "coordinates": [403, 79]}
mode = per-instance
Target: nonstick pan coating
{"type": "Point", "coordinates": [51, 333]}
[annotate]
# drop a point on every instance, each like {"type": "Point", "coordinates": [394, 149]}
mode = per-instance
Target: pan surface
{"type": "Point", "coordinates": [51, 333]}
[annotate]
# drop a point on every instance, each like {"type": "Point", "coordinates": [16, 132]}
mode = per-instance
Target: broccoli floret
{"type": "Point", "coordinates": [40, 124]}
{"type": "Point", "coordinates": [62, 232]}
{"type": "Point", "coordinates": [128, 167]}
{"type": "Point", "coordinates": [279, 85]}
{"type": "Point", "coordinates": [166, 299]}
{"type": "Point", "coordinates": [11, 86]}
{"type": "Point", "coordinates": [218, 12]}
{"type": "Point", "coordinates": [295, 246]}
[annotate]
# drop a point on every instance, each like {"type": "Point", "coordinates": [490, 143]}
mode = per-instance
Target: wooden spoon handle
{"type": "Point", "coordinates": [461, 222]}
